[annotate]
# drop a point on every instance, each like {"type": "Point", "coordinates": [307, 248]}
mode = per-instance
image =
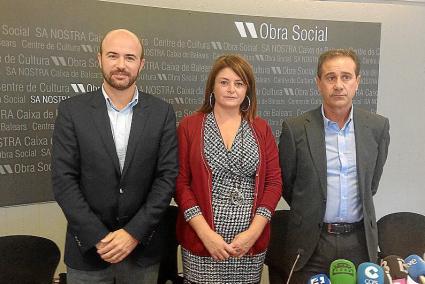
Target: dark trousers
{"type": "Point", "coordinates": [276, 278]}
{"type": "Point", "coordinates": [351, 246]}
{"type": "Point", "coordinates": [124, 272]}
{"type": "Point", "coordinates": [190, 282]}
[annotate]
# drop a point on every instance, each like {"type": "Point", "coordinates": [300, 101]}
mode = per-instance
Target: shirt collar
{"type": "Point", "coordinates": [132, 103]}
{"type": "Point", "coordinates": [327, 122]}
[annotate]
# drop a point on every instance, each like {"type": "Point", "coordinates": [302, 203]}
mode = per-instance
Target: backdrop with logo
{"type": "Point", "coordinates": [48, 53]}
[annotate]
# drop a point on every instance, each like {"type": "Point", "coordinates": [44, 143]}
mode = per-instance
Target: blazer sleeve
{"type": "Point", "coordinates": [383, 143]}
{"type": "Point", "coordinates": [83, 223]}
{"type": "Point", "coordinates": [185, 198]}
{"type": "Point", "coordinates": [273, 179]}
{"type": "Point", "coordinates": [144, 222]}
{"type": "Point", "coordinates": [288, 161]}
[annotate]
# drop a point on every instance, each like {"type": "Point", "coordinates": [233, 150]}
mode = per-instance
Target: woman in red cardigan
{"type": "Point", "coordinates": [229, 180]}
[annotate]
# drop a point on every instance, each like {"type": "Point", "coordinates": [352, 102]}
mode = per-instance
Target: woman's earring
{"type": "Point", "coordinates": [249, 104]}
{"type": "Point", "coordinates": [211, 98]}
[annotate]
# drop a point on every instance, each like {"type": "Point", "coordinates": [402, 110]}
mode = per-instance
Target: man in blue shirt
{"type": "Point", "coordinates": [332, 159]}
{"type": "Point", "coordinates": [114, 168]}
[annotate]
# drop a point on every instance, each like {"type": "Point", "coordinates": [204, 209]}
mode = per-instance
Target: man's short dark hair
{"type": "Point", "coordinates": [332, 53]}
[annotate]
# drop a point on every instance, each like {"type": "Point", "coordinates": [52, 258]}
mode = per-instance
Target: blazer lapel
{"type": "Point", "coordinates": [140, 114]}
{"type": "Point", "coordinates": [316, 143]}
{"type": "Point", "coordinates": [361, 130]}
{"type": "Point", "coordinates": [103, 125]}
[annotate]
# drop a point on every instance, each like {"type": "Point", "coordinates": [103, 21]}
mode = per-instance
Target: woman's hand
{"type": "Point", "coordinates": [243, 242]}
{"type": "Point", "coordinates": [214, 243]}
{"type": "Point", "coordinates": [216, 246]}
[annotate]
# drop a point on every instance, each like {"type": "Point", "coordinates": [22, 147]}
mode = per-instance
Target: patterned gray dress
{"type": "Point", "coordinates": [233, 188]}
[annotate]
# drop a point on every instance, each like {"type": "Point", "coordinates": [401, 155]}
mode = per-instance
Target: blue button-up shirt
{"type": "Point", "coordinates": [343, 197]}
{"type": "Point", "coordinates": [121, 124]}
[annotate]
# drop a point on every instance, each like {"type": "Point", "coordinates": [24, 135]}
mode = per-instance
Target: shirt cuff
{"type": "Point", "coordinates": [192, 212]}
{"type": "Point", "coordinates": [263, 211]}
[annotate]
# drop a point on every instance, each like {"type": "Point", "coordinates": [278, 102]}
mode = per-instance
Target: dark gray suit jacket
{"type": "Point", "coordinates": [88, 185]}
{"type": "Point", "coordinates": [303, 163]}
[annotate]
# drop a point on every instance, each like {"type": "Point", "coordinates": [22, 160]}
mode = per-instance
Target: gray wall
{"type": "Point", "coordinates": [401, 98]}
{"type": "Point", "coordinates": [401, 95]}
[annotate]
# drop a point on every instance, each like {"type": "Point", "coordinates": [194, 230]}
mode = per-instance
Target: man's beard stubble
{"type": "Point", "coordinates": [117, 85]}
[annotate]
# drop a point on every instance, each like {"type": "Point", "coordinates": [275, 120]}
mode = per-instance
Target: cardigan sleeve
{"type": "Point", "coordinates": [184, 194]}
{"type": "Point", "coordinates": [273, 179]}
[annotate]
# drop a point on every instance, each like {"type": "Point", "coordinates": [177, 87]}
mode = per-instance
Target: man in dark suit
{"type": "Point", "coordinates": [332, 159]}
{"type": "Point", "coordinates": [114, 169]}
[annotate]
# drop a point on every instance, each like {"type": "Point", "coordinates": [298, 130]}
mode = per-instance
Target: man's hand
{"type": "Point", "coordinates": [116, 246]}
{"type": "Point", "coordinates": [102, 243]}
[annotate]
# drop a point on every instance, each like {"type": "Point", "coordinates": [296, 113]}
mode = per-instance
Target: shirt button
{"type": "Point", "coordinates": [121, 191]}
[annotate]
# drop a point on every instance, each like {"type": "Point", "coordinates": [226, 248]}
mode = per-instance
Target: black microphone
{"type": "Point", "coordinates": [300, 252]}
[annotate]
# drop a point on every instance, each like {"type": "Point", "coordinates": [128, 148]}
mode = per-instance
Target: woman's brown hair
{"type": "Point", "coordinates": [244, 70]}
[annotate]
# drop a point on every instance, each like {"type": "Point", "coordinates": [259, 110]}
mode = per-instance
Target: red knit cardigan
{"type": "Point", "coordinates": [194, 181]}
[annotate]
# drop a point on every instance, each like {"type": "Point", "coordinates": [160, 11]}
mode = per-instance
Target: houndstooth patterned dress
{"type": "Point", "coordinates": [233, 175]}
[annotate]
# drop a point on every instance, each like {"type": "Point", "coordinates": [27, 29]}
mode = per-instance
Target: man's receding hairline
{"type": "Point", "coordinates": [108, 34]}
